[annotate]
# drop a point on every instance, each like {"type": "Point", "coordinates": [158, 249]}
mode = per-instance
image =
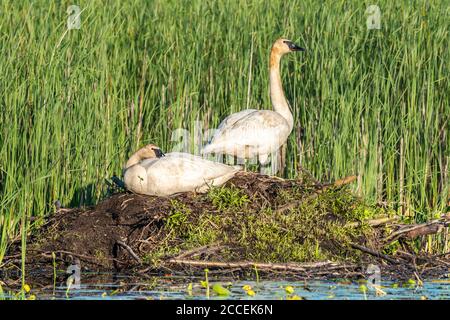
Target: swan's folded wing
{"type": "Point", "coordinates": [189, 167]}
{"type": "Point", "coordinates": [254, 128]}
{"type": "Point", "coordinates": [233, 118]}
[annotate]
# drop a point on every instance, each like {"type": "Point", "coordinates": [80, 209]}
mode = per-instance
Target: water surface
{"type": "Point", "coordinates": [125, 288]}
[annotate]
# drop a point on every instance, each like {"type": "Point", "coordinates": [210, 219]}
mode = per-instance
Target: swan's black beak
{"type": "Point", "coordinates": [293, 47]}
{"type": "Point", "coordinates": [158, 153]}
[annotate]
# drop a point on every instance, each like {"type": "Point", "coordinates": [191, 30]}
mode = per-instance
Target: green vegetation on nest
{"type": "Point", "coordinates": [317, 230]}
{"type": "Point", "coordinates": [227, 198]}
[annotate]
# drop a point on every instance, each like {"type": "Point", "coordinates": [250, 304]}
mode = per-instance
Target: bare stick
{"type": "Point", "coordinates": [93, 260]}
{"type": "Point", "coordinates": [373, 222]}
{"type": "Point", "coordinates": [197, 251]}
{"type": "Point", "coordinates": [294, 267]}
{"type": "Point", "coordinates": [416, 230]}
{"type": "Point", "coordinates": [130, 251]}
{"type": "Point", "coordinates": [374, 253]}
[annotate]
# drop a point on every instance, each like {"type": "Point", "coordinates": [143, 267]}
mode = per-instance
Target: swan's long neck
{"type": "Point", "coordinates": [135, 159]}
{"type": "Point", "coordinates": [277, 97]}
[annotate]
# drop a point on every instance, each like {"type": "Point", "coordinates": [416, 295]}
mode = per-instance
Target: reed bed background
{"type": "Point", "coordinates": [75, 103]}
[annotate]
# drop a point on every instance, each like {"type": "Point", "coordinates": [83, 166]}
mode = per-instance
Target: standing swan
{"type": "Point", "coordinates": [149, 171]}
{"type": "Point", "coordinates": [251, 132]}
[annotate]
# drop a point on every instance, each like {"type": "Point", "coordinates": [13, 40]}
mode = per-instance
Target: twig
{"type": "Point", "coordinates": [440, 255]}
{"type": "Point", "coordinates": [80, 256]}
{"type": "Point", "coordinates": [374, 253]}
{"type": "Point", "coordinates": [130, 251]}
{"type": "Point", "coordinates": [345, 181]}
{"type": "Point", "coordinates": [197, 251]}
{"type": "Point", "coordinates": [373, 222]}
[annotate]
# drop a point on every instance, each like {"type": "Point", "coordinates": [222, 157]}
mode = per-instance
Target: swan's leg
{"type": "Point", "coordinates": [246, 155]}
{"type": "Point", "coordinates": [243, 162]}
{"type": "Point", "coordinates": [272, 167]}
{"type": "Point", "coordinates": [263, 158]}
{"type": "Point", "coordinates": [253, 162]}
{"type": "Point", "coordinates": [229, 159]}
{"type": "Point", "coordinates": [282, 162]}
{"type": "Point", "coordinates": [267, 169]}
{"type": "Point", "coordinates": [264, 164]}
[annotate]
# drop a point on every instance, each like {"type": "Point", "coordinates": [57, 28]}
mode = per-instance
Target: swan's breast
{"type": "Point", "coordinates": [135, 179]}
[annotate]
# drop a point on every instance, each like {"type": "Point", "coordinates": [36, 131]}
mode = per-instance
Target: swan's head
{"type": "Point", "coordinates": [283, 46]}
{"type": "Point", "coordinates": [150, 151]}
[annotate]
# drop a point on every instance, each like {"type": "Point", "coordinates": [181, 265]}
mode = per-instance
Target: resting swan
{"type": "Point", "coordinates": [251, 132]}
{"type": "Point", "coordinates": [151, 172]}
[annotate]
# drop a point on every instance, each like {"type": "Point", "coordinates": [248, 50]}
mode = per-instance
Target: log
{"type": "Point", "coordinates": [416, 230]}
{"type": "Point", "coordinates": [424, 230]}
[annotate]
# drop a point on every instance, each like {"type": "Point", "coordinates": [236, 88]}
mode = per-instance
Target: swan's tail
{"type": "Point", "coordinates": [218, 181]}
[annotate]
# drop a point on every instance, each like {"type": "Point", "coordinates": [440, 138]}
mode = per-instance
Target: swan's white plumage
{"type": "Point", "coordinates": [249, 133]}
{"type": "Point", "coordinates": [176, 172]}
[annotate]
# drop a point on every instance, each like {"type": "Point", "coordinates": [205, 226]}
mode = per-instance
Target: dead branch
{"type": "Point", "coordinates": [416, 230]}
{"type": "Point", "coordinates": [294, 267]}
{"type": "Point", "coordinates": [424, 230]}
{"type": "Point", "coordinates": [373, 222]}
{"type": "Point", "coordinates": [200, 250]}
{"type": "Point", "coordinates": [129, 250]}
{"type": "Point", "coordinates": [374, 253]}
{"type": "Point", "coordinates": [80, 256]}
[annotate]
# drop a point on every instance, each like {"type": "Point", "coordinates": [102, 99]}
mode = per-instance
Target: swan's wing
{"type": "Point", "coordinates": [188, 167]}
{"type": "Point", "coordinates": [233, 118]}
{"type": "Point", "coordinates": [148, 162]}
{"type": "Point", "coordinates": [252, 129]}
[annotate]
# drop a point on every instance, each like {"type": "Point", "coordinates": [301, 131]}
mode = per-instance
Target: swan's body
{"type": "Point", "coordinates": [173, 173]}
{"type": "Point", "coordinates": [251, 132]}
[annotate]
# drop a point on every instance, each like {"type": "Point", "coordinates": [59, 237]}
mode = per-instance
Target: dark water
{"type": "Point", "coordinates": [123, 288]}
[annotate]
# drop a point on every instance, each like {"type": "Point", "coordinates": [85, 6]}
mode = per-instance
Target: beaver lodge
{"type": "Point", "coordinates": [285, 228]}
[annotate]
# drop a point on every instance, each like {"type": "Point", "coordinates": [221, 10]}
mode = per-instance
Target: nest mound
{"type": "Point", "coordinates": [300, 227]}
